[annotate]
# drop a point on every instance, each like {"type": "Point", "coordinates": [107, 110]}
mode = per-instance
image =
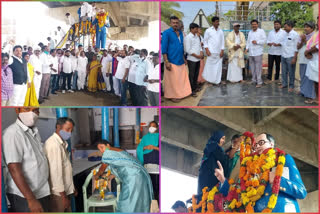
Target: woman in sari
{"type": "Point", "coordinates": [136, 187]}
{"type": "Point", "coordinates": [31, 97]}
{"type": "Point", "coordinates": [94, 70]}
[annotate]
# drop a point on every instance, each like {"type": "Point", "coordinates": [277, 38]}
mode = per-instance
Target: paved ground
{"type": "Point", "coordinates": [243, 94]}
{"type": "Point", "coordinates": [81, 98]}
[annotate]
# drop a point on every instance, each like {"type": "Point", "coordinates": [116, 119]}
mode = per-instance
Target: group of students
{"type": "Point", "coordinates": [39, 178]}
{"type": "Point", "coordinates": [204, 57]}
{"type": "Point", "coordinates": [30, 77]}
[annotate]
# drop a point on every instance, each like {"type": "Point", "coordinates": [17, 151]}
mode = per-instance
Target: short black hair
{"type": "Point", "coordinates": [173, 18]}
{"type": "Point", "coordinates": [289, 23]}
{"type": "Point", "coordinates": [235, 137]}
{"type": "Point", "coordinates": [105, 142]}
{"type": "Point", "coordinates": [25, 54]}
{"type": "Point", "coordinates": [29, 48]}
{"type": "Point", "coordinates": [178, 204]}
{"type": "Point", "coordinates": [155, 55]}
{"type": "Point", "coordinates": [49, 38]}
{"type": "Point", "coordinates": [254, 20]}
{"type": "Point", "coordinates": [215, 18]}
{"type": "Point", "coordinates": [193, 25]}
{"type": "Point", "coordinates": [17, 46]}
{"type": "Point", "coordinates": [52, 50]}
{"type": "Point", "coordinates": [277, 21]}
{"type": "Point", "coordinates": [145, 51]}
{"type": "Point", "coordinates": [43, 47]}
{"type": "Point", "coordinates": [67, 14]}
{"type": "Point", "coordinates": [154, 123]}
{"type": "Point", "coordinates": [136, 51]}
{"type": "Point", "coordinates": [4, 55]}
{"type": "Point", "coordinates": [130, 47]}
{"type": "Point", "coordinates": [63, 120]}
{"type": "Point", "coordinates": [67, 51]}
{"type": "Point", "coordinates": [80, 46]}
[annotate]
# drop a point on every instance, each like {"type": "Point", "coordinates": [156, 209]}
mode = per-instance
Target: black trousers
{"type": "Point", "coordinates": [66, 77]}
{"type": "Point", "coordinates": [133, 93]}
{"type": "Point", "coordinates": [141, 95]}
{"type": "Point", "coordinates": [20, 205]}
{"type": "Point", "coordinates": [271, 60]}
{"type": "Point", "coordinates": [193, 74]}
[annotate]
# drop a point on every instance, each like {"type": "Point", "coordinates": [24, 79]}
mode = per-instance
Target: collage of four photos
{"type": "Point", "coordinates": [159, 106]}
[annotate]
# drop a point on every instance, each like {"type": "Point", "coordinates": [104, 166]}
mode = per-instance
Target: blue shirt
{"type": "Point", "coordinates": [141, 72]}
{"type": "Point", "coordinates": [172, 46]}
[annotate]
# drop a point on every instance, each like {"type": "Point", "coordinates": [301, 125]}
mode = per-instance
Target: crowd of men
{"type": "Point", "coordinates": [52, 71]}
{"type": "Point", "coordinates": [190, 60]}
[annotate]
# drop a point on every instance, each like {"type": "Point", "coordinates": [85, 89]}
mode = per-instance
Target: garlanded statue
{"type": "Point", "coordinates": [269, 181]}
{"type": "Point", "coordinates": [102, 23]}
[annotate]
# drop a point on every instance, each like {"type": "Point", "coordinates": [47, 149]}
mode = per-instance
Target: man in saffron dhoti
{"type": "Point", "coordinates": [214, 46]}
{"type": "Point", "coordinates": [236, 42]}
{"type": "Point", "coordinates": [256, 40]}
{"type": "Point", "coordinates": [176, 80]}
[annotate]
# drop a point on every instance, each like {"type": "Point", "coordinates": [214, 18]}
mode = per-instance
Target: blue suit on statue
{"type": "Point", "coordinates": [101, 33]}
{"type": "Point", "coordinates": [291, 189]}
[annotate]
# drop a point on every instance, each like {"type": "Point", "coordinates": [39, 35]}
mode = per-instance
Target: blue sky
{"type": "Point", "coordinates": [190, 9]}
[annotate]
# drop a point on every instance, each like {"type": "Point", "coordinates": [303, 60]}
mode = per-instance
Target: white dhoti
{"type": "Point", "coordinates": [234, 71]}
{"type": "Point", "coordinates": [116, 86]}
{"type": "Point", "coordinates": [312, 71]}
{"type": "Point", "coordinates": [81, 81]}
{"type": "Point", "coordinates": [107, 81]}
{"type": "Point", "coordinates": [37, 83]}
{"type": "Point", "coordinates": [19, 95]}
{"type": "Point", "coordinates": [213, 69]}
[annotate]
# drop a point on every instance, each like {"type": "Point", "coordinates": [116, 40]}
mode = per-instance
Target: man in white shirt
{"type": "Point", "coordinates": [122, 74]}
{"type": "Point", "coordinates": [106, 70]}
{"type": "Point", "coordinates": [289, 56]}
{"type": "Point", "coordinates": [133, 89]}
{"type": "Point", "coordinates": [46, 73]}
{"type": "Point", "coordinates": [274, 54]}
{"type": "Point", "coordinates": [37, 65]}
{"type": "Point", "coordinates": [27, 184]}
{"type": "Point", "coordinates": [85, 10]}
{"type": "Point", "coordinates": [61, 33]}
{"type": "Point", "coordinates": [214, 46]}
{"type": "Point", "coordinates": [192, 47]}
{"type": "Point", "coordinates": [60, 169]}
{"type": "Point", "coordinates": [67, 72]}
{"type": "Point", "coordinates": [51, 43]}
{"type": "Point", "coordinates": [9, 47]}
{"type": "Point", "coordinates": [153, 81]}
{"type": "Point", "coordinates": [256, 40]}
{"type": "Point", "coordinates": [70, 20]}
{"type": "Point", "coordinates": [54, 71]}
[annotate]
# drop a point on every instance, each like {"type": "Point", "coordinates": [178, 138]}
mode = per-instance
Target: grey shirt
{"type": "Point", "coordinates": [21, 144]}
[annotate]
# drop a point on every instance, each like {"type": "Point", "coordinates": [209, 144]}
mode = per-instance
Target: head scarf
{"type": "Point", "coordinates": [214, 139]}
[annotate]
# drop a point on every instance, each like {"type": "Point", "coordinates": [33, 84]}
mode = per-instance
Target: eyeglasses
{"type": "Point", "coordinates": [260, 143]}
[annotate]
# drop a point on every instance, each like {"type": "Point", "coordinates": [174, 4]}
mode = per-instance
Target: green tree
{"type": "Point", "coordinates": [299, 12]}
{"type": "Point", "coordinates": [167, 10]}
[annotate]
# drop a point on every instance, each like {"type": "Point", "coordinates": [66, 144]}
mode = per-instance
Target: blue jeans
{"type": "Point", "coordinates": [54, 83]}
{"type": "Point", "coordinates": [74, 80]}
{"type": "Point", "coordinates": [123, 89]}
{"type": "Point", "coordinates": [288, 69]}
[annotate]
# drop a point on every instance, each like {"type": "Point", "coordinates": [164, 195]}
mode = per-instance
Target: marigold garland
{"type": "Point", "coordinates": [254, 177]}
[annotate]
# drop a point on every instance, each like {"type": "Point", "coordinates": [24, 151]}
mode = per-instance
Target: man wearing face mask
{"type": "Point", "coordinates": [60, 176]}
{"type": "Point", "coordinates": [148, 155]}
{"type": "Point", "coordinates": [27, 181]}
{"type": "Point", "coordinates": [142, 69]}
